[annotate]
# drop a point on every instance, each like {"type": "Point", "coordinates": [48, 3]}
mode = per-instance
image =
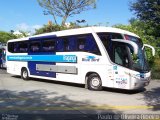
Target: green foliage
{"type": "Point", "coordinates": [148, 11]}
{"type": "Point", "coordinates": [158, 51]}
{"type": "Point", "coordinates": [156, 69]}
{"type": "Point", "coordinates": [25, 33]}
{"type": "Point", "coordinates": [136, 28]}
{"type": "Point", "coordinates": [141, 29]}
{"type": "Point", "coordinates": [148, 14]}
{"type": "Point", "coordinates": [22, 34]}
{"type": "Point", "coordinates": [5, 36]}
{"type": "Point", "coordinates": [148, 23]}
{"type": "Point", "coordinates": [48, 28]}
{"type": "Point", "coordinates": [53, 27]}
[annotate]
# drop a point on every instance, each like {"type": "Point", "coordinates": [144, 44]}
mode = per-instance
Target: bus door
{"type": "Point", "coordinates": [121, 69]}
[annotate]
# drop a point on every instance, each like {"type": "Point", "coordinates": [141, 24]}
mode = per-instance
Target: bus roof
{"type": "Point", "coordinates": [84, 30]}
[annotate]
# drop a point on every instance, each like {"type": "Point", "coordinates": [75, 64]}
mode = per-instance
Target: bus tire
{"type": "Point", "coordinates": [24, 74]}
{"type": "Point", "coordinates": [94, 82]}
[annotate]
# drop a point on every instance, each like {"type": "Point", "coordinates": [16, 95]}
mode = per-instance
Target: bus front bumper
{"type": "Point", "coordinates": [141, 83]}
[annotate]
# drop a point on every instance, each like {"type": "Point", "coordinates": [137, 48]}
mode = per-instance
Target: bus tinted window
{"type": "Point", "coordinates": [106, 40]}
{"type": "Point", "coordinates": [66, 44]}
{"type": "Point", "coordinates": [91, 45]}
{"type": "Point", "coordinates": [48, 45]}
{"type": "Point", "coordinates": [81, 43]}
{"type": "Point", "coordinates": [22, 47]}
{"type": "Point", "coordinates": [87, 43]}
{"type": "Point", "coordinates": [72, 43]}
{"type": "Point", "coordinates": [60, 45]}
{"type": "Point", "coordinates": [35, 46]}
{"type": "Point", "coordinates": [11, 47]}
{"type": "Point", "coordinates": [134, 39]}
{"type": "Point", "coordinates": [116, 36]}
{"type": "Point", "coordinates": [121, 56]}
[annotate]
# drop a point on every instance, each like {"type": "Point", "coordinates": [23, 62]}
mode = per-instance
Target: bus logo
{"type": "Point", "coordinates": [90, 59]}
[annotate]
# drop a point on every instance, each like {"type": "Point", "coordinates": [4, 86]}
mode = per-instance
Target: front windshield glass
{"type": "Point", "coordinates": [140, 62]}
{"type": "Point", "coordinates": [127, 58]}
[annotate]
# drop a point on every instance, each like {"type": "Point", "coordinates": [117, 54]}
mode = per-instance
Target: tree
{"type": "Point", "coordinates": [5, 36]}
{"type": "Point", "coordinates": [148, 11]}
{"type": "Point", "coordinates": [65, 8]}
{"type": "Point", "coordinates": [50, 27]}
{"type": "Point", "coordinates": [141, 29]}
{"type": "Point", "coordinates": [21, 33]}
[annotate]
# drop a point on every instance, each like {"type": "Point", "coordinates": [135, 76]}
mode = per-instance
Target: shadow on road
{"type": "Point", "coordinates": [3, 71]}
{"type": "Point", "coordinates": [122, 91]}
{"type": "Point", "coordinates": [44, 105]}
{"type": "Point", "coordinates": [152, 98]}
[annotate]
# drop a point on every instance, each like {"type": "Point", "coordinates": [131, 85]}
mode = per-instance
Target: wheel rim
{"type": "Point", "coordinates": [25, 74]}
{"type": "Point", "coordinates": [95, 82]}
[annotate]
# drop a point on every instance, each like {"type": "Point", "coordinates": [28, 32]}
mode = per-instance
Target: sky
{"type": "Point", "coordinates": [27, 15]}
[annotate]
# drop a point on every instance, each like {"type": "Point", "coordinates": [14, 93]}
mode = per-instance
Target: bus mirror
{"type": "Point", "coordinates": [149, 46]}
{"type": "Point", "coordinates": [133, 44]}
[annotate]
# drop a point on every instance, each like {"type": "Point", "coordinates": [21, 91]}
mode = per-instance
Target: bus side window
{"type": "Point", "coordinates": [116, 36]}
{"type": "Point", "coordinates": [81, 43]}
{"type": "Point", "coordinates": [15, 47]}
{"type": "Point", "coordinates": [48, 46]}
{"type": "Point", "coordinates": [91, 45]}
{"type": "Point", "coordinates": [35, 46]}
{"type": "Point", "coordinates": [120, 56]}
{"type": "Point", "coordinates": [11, 47]}
{"type": "Point", "coordinates": [72, 43]}
{"type": "Point", "coordinates": [66, 44]}
{"type": "Point", "coordinates": [60, 44]}
{"type": "Point", "coordinates": [23, 47]}
{"type": "Point", "coordinates": [105, 40]}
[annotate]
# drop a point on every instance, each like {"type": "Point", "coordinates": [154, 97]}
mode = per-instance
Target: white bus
{"type": "Point", "coordinates": [95, 56]}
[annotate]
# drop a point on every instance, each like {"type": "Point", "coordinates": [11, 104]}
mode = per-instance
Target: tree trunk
{"type": "Point", "coordinates": [55, 19]}
{"type": "Point", "coordinates": [64, 20]}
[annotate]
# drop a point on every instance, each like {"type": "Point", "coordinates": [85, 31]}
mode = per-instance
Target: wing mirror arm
{"type": "Point", "coordinates": [151, 47]}
{"type": "Point", "coordinates": [133, 44]}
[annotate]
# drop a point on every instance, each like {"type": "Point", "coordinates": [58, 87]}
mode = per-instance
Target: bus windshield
{"type": "Point", "coordinates": [140, 63]}
{"type": "Point", "coordinates": [122, 54]}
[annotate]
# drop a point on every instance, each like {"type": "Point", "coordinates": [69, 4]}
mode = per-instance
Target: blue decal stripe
{"type": "Point", "coordinates": [47, 58]}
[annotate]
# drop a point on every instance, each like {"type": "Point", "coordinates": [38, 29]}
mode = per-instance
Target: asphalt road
{"type": "Point", "coordinates": [45, 100]}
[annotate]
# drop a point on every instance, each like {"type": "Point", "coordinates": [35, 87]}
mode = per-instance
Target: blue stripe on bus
{"type": "Point", "coordinates": [33, 71]}
{"type": "Point", "coordinates": [47, 58]}
{"type": "Point", "coordinates": [32, 64]}
{"type": "Point", "coordinates": [42, 37]}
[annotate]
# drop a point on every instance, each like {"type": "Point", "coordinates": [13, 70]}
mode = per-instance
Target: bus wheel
{"type": "Point", "coordinates": [24, 74]}
{"type": "Point", "coordinates": [94, 82]}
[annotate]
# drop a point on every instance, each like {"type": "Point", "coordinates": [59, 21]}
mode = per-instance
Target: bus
{"type": "Point", "coordinates": [94, 56]}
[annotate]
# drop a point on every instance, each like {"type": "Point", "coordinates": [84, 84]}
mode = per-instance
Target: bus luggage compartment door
{"type": "Point", "coordinates": [34, 71]}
